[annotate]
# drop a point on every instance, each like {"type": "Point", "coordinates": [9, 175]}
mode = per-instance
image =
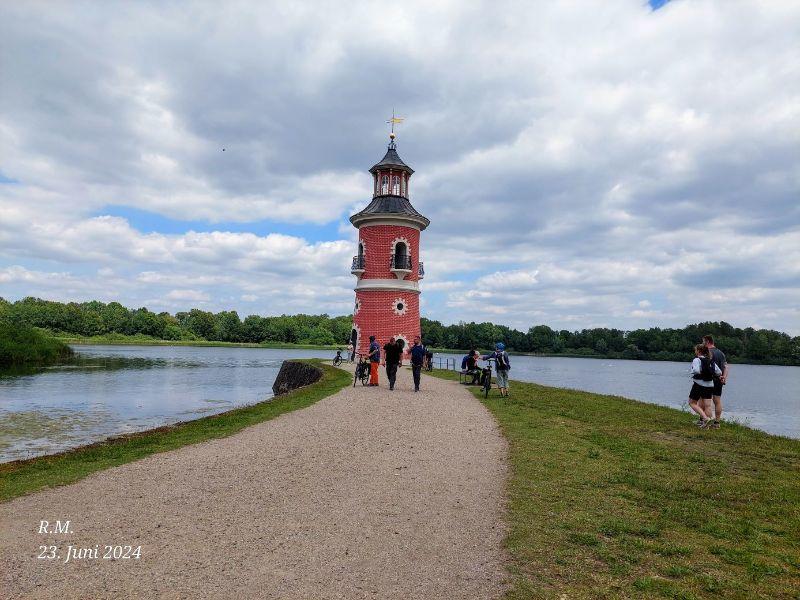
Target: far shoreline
{"type": "Point", "coordinates": [136, 341]}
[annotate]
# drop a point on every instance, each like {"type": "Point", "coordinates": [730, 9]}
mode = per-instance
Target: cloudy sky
{"type": "Point", "coordinates": [610, 163]}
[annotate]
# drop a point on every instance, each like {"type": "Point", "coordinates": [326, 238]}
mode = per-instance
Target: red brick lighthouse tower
{"type": "Point", "coordinates": [387, 265]}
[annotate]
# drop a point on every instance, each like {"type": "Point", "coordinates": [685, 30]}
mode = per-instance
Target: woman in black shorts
{"type": "Point", "coordinates": [703, 372]}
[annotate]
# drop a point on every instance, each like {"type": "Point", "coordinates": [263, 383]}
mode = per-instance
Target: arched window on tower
{"type": "Point", "coordinates": [396, 185]}
{"type": "Point", "coordinates": [385, 185]}
{"type": "Point", "coordinates": [401, 260]}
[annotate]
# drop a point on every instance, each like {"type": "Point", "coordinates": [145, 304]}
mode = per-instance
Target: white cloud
{"type": "Point", "coordinates": [188, 295]}
{"type": "Point", "coordinates": [580, 159]}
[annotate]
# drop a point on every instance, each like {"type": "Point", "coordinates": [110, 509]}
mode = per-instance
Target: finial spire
{"type": "Point", "coordinates": [394, 120]}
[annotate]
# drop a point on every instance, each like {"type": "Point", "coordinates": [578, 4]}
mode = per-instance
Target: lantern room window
{"type": "Point", "coordinates": [385, 185]}
{"type": "Point", "coordinates": [396, 185]}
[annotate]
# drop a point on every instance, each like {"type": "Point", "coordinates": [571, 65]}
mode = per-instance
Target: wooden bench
{"type": "Point", "coordinates": [465, 377]}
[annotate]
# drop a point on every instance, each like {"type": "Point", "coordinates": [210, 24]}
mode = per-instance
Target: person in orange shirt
{"type": "Point", "coordinates": [374, 360]}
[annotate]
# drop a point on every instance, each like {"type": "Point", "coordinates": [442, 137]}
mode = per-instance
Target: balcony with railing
{"type": "Point", "coordinates": [421, 270]}
{"type": "Point", "coordinates": [400, 265]}
{"type": "Point", "coordinates": [359, 265]}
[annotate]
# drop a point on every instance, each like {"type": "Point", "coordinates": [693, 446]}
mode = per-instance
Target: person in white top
{"type": "Point", "coordinates": [703, 372]}
{"type": "Point", "coordinates": [350, 350]}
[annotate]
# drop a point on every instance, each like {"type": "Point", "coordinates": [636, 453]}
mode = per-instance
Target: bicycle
{"type": "Point", "coordinates": [361, 372]}
{"type": "Point", "coordinates": [337, 360]}
{"type": "Point", "coordinates": [428, 362]}
{"type": "Point", "coordinates": [486, 377]}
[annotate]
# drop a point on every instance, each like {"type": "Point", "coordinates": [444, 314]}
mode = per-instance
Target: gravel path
{"type": "Point", "coordinates": [366, 494]}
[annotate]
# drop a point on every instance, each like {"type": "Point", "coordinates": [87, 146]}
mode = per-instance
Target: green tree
{"type": "Point", "coordinates": [541, 338]}
{"type": "Point", "coordinates": [227, 327]}
{"type": "Point", "coordinates": [200, 323]}
{"type": "Point", "coordinates": [317, 335]}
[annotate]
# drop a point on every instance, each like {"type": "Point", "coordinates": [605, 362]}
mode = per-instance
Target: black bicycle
{"type": "Point", "coordinates": [362, 371]}
{"type": "Point", "coordinates": [337, 360]}
{"type": "Point", "coordinates": [486, 377]}
{"type": "Point", "coordinates": [428, 362]}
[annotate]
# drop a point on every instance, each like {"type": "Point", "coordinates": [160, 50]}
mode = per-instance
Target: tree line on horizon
{"type": "Point", "coordinates": [88, 319]}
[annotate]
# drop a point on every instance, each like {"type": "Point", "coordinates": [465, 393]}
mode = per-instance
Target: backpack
{"type": "Point", "coordinates": [706, 369]}
{"type": "Point", "coordinates": [502, 361]}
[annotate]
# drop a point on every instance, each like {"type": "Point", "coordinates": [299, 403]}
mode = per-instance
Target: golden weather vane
{"type": "Point", "coordinates": [394, 121]}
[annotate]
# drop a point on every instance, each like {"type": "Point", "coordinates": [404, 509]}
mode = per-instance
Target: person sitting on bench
{"type": "Point", "coordinates": [472, 367]}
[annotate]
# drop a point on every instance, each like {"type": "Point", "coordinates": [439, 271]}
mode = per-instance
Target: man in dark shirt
{"type": "Point", "coordinates": [391, 358]}
{"type": "Point", "coordinates": [718, 357]}
{"type": "Point", "coordinates": [417, 358]}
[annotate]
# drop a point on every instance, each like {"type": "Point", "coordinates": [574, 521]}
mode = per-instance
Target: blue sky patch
{"type": "Point", "coordinates": [150, 222]}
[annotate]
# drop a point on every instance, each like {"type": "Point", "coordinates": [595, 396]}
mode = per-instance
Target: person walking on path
{"type": "Point", "coordinates": [722, 363]}
{"type": "Point", "coordinates": [374, 360]}
{"type": "Point", "coordinates": [502, 366]}
{"type": "Point", "coordinates": [391, 358]}
{"type": "Point", "coordinates": [703, 371]}
{"type": "Point", "coordinates": [417, 359]}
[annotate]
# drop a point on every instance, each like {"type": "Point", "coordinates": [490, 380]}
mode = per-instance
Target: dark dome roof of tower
{"type": "Point", "coordinates": [392, 159]}
{"type": "Point", "coordinates": [389, 206]}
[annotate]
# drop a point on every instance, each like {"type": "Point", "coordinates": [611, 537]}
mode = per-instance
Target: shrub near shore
{"type": "Point", "coordinates": [24, 345]}
{"type": "Point", "coordinates": [613, 498]}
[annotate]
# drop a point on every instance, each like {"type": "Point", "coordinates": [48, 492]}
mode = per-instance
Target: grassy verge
{"type": "Point", "coordinates": [614, 498]}
{"type": "Point", "coordinates": [118, 339]}
{"type": "Point", "coordinates": [24, 345]}
{"type": "Point", "coordinates": [22, 477]}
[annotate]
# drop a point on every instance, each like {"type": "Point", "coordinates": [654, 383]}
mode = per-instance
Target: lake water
{"type": "Point", "coordinates": [760, 396]}
{"type": "Point", "coordinates": [121, 389]}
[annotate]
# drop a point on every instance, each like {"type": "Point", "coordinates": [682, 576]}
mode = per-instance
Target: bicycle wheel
{"type": "Point", "coordinates": [337, 361]}
{"type": "Point", "coordinates": [486, 387]}
{"type": "Point", "coordinates": [365, 377]}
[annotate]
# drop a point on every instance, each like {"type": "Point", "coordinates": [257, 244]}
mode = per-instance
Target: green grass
{"type": "Point", "coordinates": [146, 340]}
{"type": "Point", "coordinates": [23, 477]}
{"type": "Point", "coordinates": [613, 498]}
{"type": "Point", "coordinates": [25, 345]}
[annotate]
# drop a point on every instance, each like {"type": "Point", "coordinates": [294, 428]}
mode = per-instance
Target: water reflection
{"type": "Point", "coordinates": [110, 390]}
{"type": "Point", "coordinates": [81, 362]}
